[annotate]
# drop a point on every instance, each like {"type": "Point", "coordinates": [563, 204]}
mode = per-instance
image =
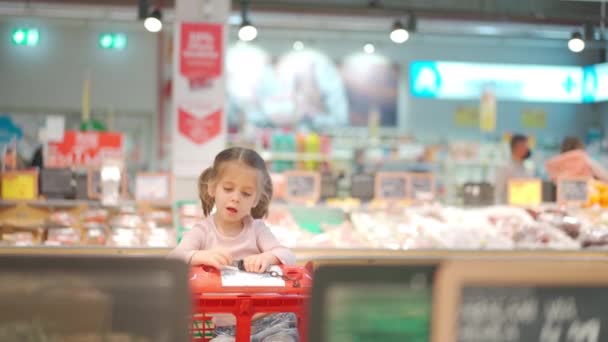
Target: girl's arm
{"type": "Point", "coordinates": [268, 243]}
{"type": "Point", "coordinates": [192, 242]}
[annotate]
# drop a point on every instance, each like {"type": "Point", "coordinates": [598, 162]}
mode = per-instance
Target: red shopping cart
{"type": "Point", "coordinates": [210, 296]}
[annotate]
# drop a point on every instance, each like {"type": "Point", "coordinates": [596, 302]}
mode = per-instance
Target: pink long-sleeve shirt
{"type": "Point", "coordinates": [255, 238]}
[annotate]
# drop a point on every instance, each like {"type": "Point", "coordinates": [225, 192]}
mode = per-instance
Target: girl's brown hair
{"type": "Point", "coordinates": [248, 157]}
{"type": "Point", "coordinates": [571, 144]}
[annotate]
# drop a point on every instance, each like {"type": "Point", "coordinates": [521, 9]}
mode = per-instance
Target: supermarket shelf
{"type": "Point", "coordinates": [335, 254]}
{"type": "Point", "coordinates": [286, 156]}
{"type": "Point", "coordinates": [59, 204]}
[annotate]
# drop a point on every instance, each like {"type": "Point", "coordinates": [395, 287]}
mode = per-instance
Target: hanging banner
{"type": "Point", "coordinates": [534, 118]}
{"type": "Point", "coordinates": [199, 123]}
{"type": "Point", "coordinates": [487, 111]}
{"type": "Point", "coordinates": [466, 116]}
{"type": "Point", "coordinates": [84, 149]}
{"type": "Point", "coordinates": [201, 50]}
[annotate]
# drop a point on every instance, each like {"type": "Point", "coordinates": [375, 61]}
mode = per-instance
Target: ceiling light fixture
{"type": "Point", "coordinates": [399, 34]}
{"type": "Point", "coordinates": [247, 32]}
{"type": "Point", "coordinates": [153, 22]}
{"type": "Point", "coordinates": [576, 43]}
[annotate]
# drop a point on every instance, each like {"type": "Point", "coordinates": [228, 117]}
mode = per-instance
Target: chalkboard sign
{"type": "Point", "coordinates": [303, 186]}
{"type": "Point", "coordinates": [477, 194]}
{"type": "Point", "coordinates": [57, 183]}
{"type": "Point", "coordinates": [533, 314]}
{"type": "Point", "coordinates": [82, 190]}
{"type": "Point", "coordinates": [392, 186]}
{"type": "Point", "coordinates": [362, 186]}
{"type": "Point", "coordinates": [422, 186]}
{"type": "Point", "coordinates": [560, 300]}
{"type": "Point", "coordinates": [573, 191]}
{"type": "Point", "coordinates": [329, 185]}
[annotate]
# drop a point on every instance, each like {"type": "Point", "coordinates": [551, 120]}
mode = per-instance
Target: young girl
{"type": "Point", "coordinates": [240, 188]}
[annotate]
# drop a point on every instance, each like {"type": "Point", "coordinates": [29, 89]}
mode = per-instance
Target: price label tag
{"type": "Point", "coordinates": [422, 186]}
{"type": "Point", "coordinates": [153, 187]}
{"type": "Point", "coordinates": [303, 186]}
{"type": "Point", "coordinates": [525, 192]}
{"type": "Point", "coordinates": [573, 191]}
{"type": "Point", "coordinates": [510, 300]}
{"type": "Point", "coordinates": [392, 186]}
{"type": "Point", "coordinates": [362, 186]}
{"type": "Point", "coordinates": [20, 185]}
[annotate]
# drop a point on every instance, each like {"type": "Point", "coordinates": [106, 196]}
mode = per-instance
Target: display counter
{"type": "Point", "coordinates": [335, 254]}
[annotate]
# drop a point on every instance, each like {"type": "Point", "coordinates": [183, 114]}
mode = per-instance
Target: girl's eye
{"type": "Point", "coordinates": [227, 189]}
{"type": "Point", "coordinates": [246, 194]}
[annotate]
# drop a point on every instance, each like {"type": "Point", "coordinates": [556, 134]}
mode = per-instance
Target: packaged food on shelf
{"type": "Point", "coordinates": [95, 215]}
{"type": "Point", "coordinates": [62, 236]}
{"type": "Point", "coordinates": [19, 239]}
{"type": "Point", "coordinates": [124, 237]}
{"type": "Point", "coordinates": [94, 234]}
{"type": "Point", "coordinates": [159, 216]}
{"type": "Point", "coordinates": [62, 219]}
{"type": "Point", "coordinates": [159, 236]}
{"type": "Point", "coordinates": [127, 221]}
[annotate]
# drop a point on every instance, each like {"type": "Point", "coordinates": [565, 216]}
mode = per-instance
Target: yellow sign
{"type": "Point", "coordinates": [487, 112]}
{"type": "Point", "coordinates": [20, 185]}
{"type": "Point", "coordinates": [466, 117]}
{"type": "Point", "coordinates": [534, 118]}
{"type": "Point", "coordinates": [525, 192]}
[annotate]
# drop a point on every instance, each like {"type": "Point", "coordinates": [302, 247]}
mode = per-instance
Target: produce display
{"type": "Point", "coordinates": [125, 227]}
{"type": "Point", "coordinates": [400, 226]}
{"type": "Point", "coordinates": [438, 227]}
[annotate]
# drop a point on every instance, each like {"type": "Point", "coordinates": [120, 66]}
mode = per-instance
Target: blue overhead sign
{"type": "Point", "coordinates": [527, 83]}
{"type": "Point", "coordinates": [595, 83]}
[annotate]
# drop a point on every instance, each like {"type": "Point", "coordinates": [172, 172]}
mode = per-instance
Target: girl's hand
{"type": "Point", "coordinates": [259, 263]}
{"type": "Point", "coordinates": [215, 258]}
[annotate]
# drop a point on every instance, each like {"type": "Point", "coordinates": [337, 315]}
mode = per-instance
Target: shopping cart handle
{"type": "Point", "coordinates": [292, 272]}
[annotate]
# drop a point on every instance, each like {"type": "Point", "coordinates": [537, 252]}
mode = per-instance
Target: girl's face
{"type": "Point", "coordinates": [235, 192]}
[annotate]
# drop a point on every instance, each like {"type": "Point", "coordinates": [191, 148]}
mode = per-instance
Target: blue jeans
{"type": "Point", "coordinates": [280, 327]}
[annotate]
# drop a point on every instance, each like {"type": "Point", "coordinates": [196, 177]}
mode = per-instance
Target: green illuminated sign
{"type": "Point", "coordinates": [116, 41]}
{"type": "Point", "coordinates": [25, 36]}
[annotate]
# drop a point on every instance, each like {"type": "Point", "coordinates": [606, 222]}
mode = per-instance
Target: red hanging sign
{"type": "Point", "coordinates": [199, 130]}
{"type": "Point", "coordinates": [84, 149]}
{"type": "Point", "coordinates": [201, 51]}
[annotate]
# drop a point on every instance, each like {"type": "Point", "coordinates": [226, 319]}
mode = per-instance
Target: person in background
{"type": "Point", "coordinates": [239, 187]}
{"type": "Point", "coordinates": [520, 151]}
{"type": "Point", "coordinates": [574, 162]}
{"type": "Point", "coordinates": [38, 158]}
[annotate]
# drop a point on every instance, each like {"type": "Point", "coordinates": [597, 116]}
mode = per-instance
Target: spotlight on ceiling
{"type": "Point", "coordinates": [576, 43]}
{"type": "Point", "coordinates": [399, 34]}
{"type": "Point", "coordinates": [153, 22]}
{"type": "Point", "coordinates": [247, 32]}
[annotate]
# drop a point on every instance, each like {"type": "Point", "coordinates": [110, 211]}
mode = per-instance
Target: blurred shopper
{"type": "Point", "coordinates": [520, 151]}
{"type": "Point", "coordinates": [574, 162]}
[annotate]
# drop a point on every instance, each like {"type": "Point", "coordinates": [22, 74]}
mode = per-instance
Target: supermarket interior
{"type": "Point", "coordinates": [302, 170]}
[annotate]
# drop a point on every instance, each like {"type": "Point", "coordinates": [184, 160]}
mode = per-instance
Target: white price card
{"type": "Point", "coordinates": [233, 277]}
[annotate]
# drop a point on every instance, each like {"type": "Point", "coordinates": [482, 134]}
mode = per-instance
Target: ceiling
{"type": "Point", "coordinates": [552, 11]}
{"type": "Point", "coordinates": [551, 19]}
